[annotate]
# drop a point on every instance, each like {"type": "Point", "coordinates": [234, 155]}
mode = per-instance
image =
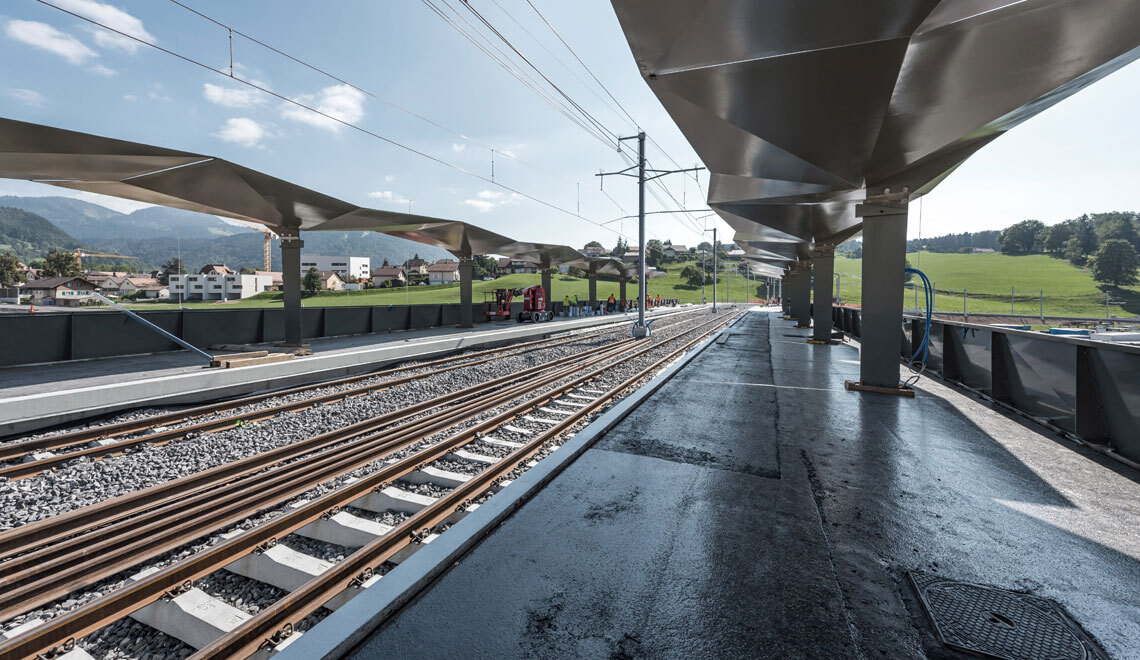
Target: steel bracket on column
{"type": "Point", "coordinates": [875, 210]}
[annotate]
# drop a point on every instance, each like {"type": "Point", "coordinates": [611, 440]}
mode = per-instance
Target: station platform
{"type": "Point", "coordinates": [753, 508]}
{"type": "Point", "coordinates": [44, 395]}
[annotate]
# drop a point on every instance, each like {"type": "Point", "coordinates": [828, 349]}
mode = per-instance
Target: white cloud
{"type": "Point", "coordinates": [158, 96]}
{"type": "Point", "coordinates": [130, 97]}
{"type": "Point", "coordinates": [487, 200]}
{"type": "Point", "coordinates": [508, 152]}
{"type": "Point", "coordinates": [456, 147]}
{"type": "Point", "coordinates": [389, 178]}
{"type": "Point", "coordinates": [339, 101]}
{"type": "Point", "coordinates": [243, 131]}
{"type": "Point", "coordinates": [389, 196]}
{"type": "Point", "coordinates": [45, 37]}
{"type": "Point", "coordinates": [103, 70]}
{"type": "Point", "coordinates": [28, 97]}
{"type": "Point", "coordinates": [112, 17]}
{"type": "Point", "coordinates": [231, 97]}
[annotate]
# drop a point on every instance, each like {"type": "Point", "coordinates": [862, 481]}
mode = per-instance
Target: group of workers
{"type": "Point", "coordinates": [608, 306]}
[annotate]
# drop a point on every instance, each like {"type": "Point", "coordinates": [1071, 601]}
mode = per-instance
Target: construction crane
{"type": "Point", "coordinates": [267, 247]}
{"type": "Point", "coordinates": [79, 254]}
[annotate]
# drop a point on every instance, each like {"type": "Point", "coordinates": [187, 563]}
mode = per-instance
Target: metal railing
{"type": "Point", "coordinates": [1088, 390]}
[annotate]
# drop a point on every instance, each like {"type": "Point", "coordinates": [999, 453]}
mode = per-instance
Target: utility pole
{"type": "Point", "coordinates": [640, 329]}
{"type": "Point", "coordinates": [703, 299]}
{"type": "Point", "coordinates": [713, 230]}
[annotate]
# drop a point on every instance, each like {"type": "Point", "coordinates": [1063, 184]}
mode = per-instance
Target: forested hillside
{"type": "Point", "coordinates": [29, 236]}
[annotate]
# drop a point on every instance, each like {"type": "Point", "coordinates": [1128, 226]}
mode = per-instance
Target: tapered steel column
{"type": "Point", "coordinates": [800, 293]}
{"type": "Point", "coordinates": [593, 280]}
{"type": "Point", "coordinates": [546, 288]}
{"type": "Point", "coordinates": [466, 274]}
{"type": "Point", "coordinates": [291, 286]}
{"type": "Point", "coordinates": [621, 287]}
{"type": "Point", "coordinates": [823, 272]}
{"type": "Point", "coordinates": [884, 260]}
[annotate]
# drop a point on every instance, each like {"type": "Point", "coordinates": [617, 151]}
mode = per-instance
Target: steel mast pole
{"type": "Point", "coordinates": [641, 330]}
{"type": "Point", "coordinates": [714, 269]}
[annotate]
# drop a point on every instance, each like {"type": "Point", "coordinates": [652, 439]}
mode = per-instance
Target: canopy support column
{"type": "Point", "coordinates": [546, 288]}
{"type": "Point", "coordinates": [466, 271]}
{"type": "Point", "coordinates": [884, 262]}
{"type": "Point", "coordinates": [291, 245]}
{"type": "Point", "coordinates": [621, 287]}
{"type": "Point", "coordinates": [823, 267]}
{"type": "Point", "coordinates": [800, 294]}
{"type": "Point", "coordinates": [593, 280]}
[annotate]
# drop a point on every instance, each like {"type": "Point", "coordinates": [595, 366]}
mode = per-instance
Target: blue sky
{"type": "Point", "coordinates": [1077, 157]}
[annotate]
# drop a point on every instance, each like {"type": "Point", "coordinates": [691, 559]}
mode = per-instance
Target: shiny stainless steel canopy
{"type": "Point", "coordinates": [795, 107]}
{"type": "Point", "coordinates": [197, 182]}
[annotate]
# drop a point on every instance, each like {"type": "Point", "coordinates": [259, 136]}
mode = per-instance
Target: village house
{"type": "Point", "coordinates": [594, 251]}
{"type": "Point", "coordinates": [675, 250]}
{"type": "Point", "coordinates": [443, 271]}
{"type": "Point", "coordinates": [146, 287]}
{"type": "Point", "coordinates": [62, 291]}
{"type": "Point", "coordinates": [509, 266]}
{"type": "Point", "coordinates": [393, 274]}
{"type": "Point", "coordinates": [331, 281]}
{"type": "Point", "coordinates": [415, 267]}
{"type": "Point", "coordinates": [630, 257]}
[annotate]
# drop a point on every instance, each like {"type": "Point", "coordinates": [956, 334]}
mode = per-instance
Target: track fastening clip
{"type": "Point", "coordinates": [331, 512]}
{"type": "Point", "coordinates": [56, 651]}
{"type": "Point", "coordinates": [365, 575]}
{"type": "Point", "coordinates": [281, 635]}
{"type": "Point", "coordinates": [265, 546]}
{"type": "Point", "coordinates": [173, 593]}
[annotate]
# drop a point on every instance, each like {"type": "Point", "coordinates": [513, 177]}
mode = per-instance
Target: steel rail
{"type": "Point", "coordinates": [36, 534]}
{"type": "Point", "coordinates": [37, 581]}
{"type": "Point", "coordinates": [29, 537]}
{"type": "Point", "coordinates": [17, 450]}
{"type": "Point", "coordinates": [121, 602]}
{"type": "Point", "coordinates": [278, 620]}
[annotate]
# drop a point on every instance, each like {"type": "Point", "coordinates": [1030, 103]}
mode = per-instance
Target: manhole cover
{"type": "Point", "coordinates": [999, 623]}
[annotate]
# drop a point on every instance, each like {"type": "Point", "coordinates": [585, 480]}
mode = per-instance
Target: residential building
{"type": "Point", "coordinates": [443, 271]}
{"type": "Point", "coordinates": [509, 266]}
{"type": "Point", "coordinates": [390, 274]}
{"type": "Point", "coordinates": [274, 275]}
{"type": "Point", "coordinates": [145, 287]}
{"type": "Point", "coordinates": [27, 273]}
{"type": "Point", "coordinates": [345, 267]}
{"type": "Point", "coordinates": [735, 253]}
{"type": "Point", "coordinates": [331, 281]}
{"type": "Point", "coordinates": [630, 257]}
{"type": "Point", "coordinates": [594, 251]}
{"type": "Point", "coordinates": [415, 267]}
{"type": "Point", "coordinates": [217, 287]}
{"type": "Point", "coordinates": [63, 291]}
{"type": "Point", "coordinates": [216, 269]}
{"type": "Point", "coordinates": [674, 250]}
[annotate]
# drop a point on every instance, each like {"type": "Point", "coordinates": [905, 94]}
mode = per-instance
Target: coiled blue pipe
{"type": "Point", "coordinates": [924, 347]}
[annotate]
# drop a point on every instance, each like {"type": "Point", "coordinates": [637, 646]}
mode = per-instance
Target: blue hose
{"type": "Point", "coordinates": [924, 347]}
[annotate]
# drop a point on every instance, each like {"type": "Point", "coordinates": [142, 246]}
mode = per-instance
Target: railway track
{"type": "Point", "coordinates": [43, 561]}
{"type": "Point", "coordinates": [25, 458]}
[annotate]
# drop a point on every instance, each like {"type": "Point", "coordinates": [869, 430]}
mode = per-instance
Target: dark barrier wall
{"type": "Point", "coordinates": [55, 336]}
{"type": "Point", "coordinates": [1090, 389]}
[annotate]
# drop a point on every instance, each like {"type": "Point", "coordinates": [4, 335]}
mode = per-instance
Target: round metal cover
{"type": "Point", "coordinates": [999, 623]}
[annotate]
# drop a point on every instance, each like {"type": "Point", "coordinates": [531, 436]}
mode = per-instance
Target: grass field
{"type": "Point", "coordinates": [669, 285]}
{"type": "Point", "coordinates": [987, 279]}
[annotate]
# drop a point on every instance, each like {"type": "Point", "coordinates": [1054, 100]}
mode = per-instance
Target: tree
{"type": "Point", "coordinates": [1120, 229]}
{"type": "Point", "coordinates": [620, 248]}
{"type": "Point", "coordinates": [693, 275]}
{"type": "Point", "coordinates": [9, 270]}
{"type": "Point", "coordinates": [594, 244]}
{"type": "Point", "coordinates": [60, 263]}
{"type": "Point", "coordinates": [385, 264]}
{"type": "Point", "coordinates": [1056, 237]}
{"type": "Point", "coordinates": [706, 246]}
{"type": "Point", "coordinates": [1116, 263]}
{"type": "Point", "coordinates": [246, 270]}
{"type": "Point", "coordinates": [1023, 238]}
{"type": "Point", "coordinates": [484, 266]}
{"type": "Point", "coordinates": [1085, 232]}
{"type": "Point", "coordinates": [1074, 252]}
{"type": "Point", "coordinates": [654, 252]}
{"type": "Point", "coordinates": [172, 267]}
{"type": "Point", "coordinates": [311, 283]}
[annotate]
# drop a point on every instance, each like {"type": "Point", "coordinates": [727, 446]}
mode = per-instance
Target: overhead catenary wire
{"type": "Point", "coordinates": [338, 120]}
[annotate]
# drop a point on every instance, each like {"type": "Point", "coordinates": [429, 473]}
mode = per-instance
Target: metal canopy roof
{"type": "Point", "coordinates": [197, 182]}
{"type": "Point", "coordinates": [797, 106]}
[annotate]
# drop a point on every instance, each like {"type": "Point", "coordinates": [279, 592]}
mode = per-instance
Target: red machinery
{"type": "Point", "coordinates": [497, 304]}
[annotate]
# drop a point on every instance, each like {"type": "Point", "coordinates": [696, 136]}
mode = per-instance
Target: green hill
{"type": "Point", "coordinates": [988, 279]}
{"type": "Point", "coordinates": [30, 236]}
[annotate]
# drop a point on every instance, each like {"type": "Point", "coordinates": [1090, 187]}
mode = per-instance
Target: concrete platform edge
{"type": "Point", "coordinates": [46, 410]}
{"type": "Point", "coordinates": [346, 628]}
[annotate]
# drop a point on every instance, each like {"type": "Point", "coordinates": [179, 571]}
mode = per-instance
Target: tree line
{"type": "Point", "coordinates": [1108, 244]}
